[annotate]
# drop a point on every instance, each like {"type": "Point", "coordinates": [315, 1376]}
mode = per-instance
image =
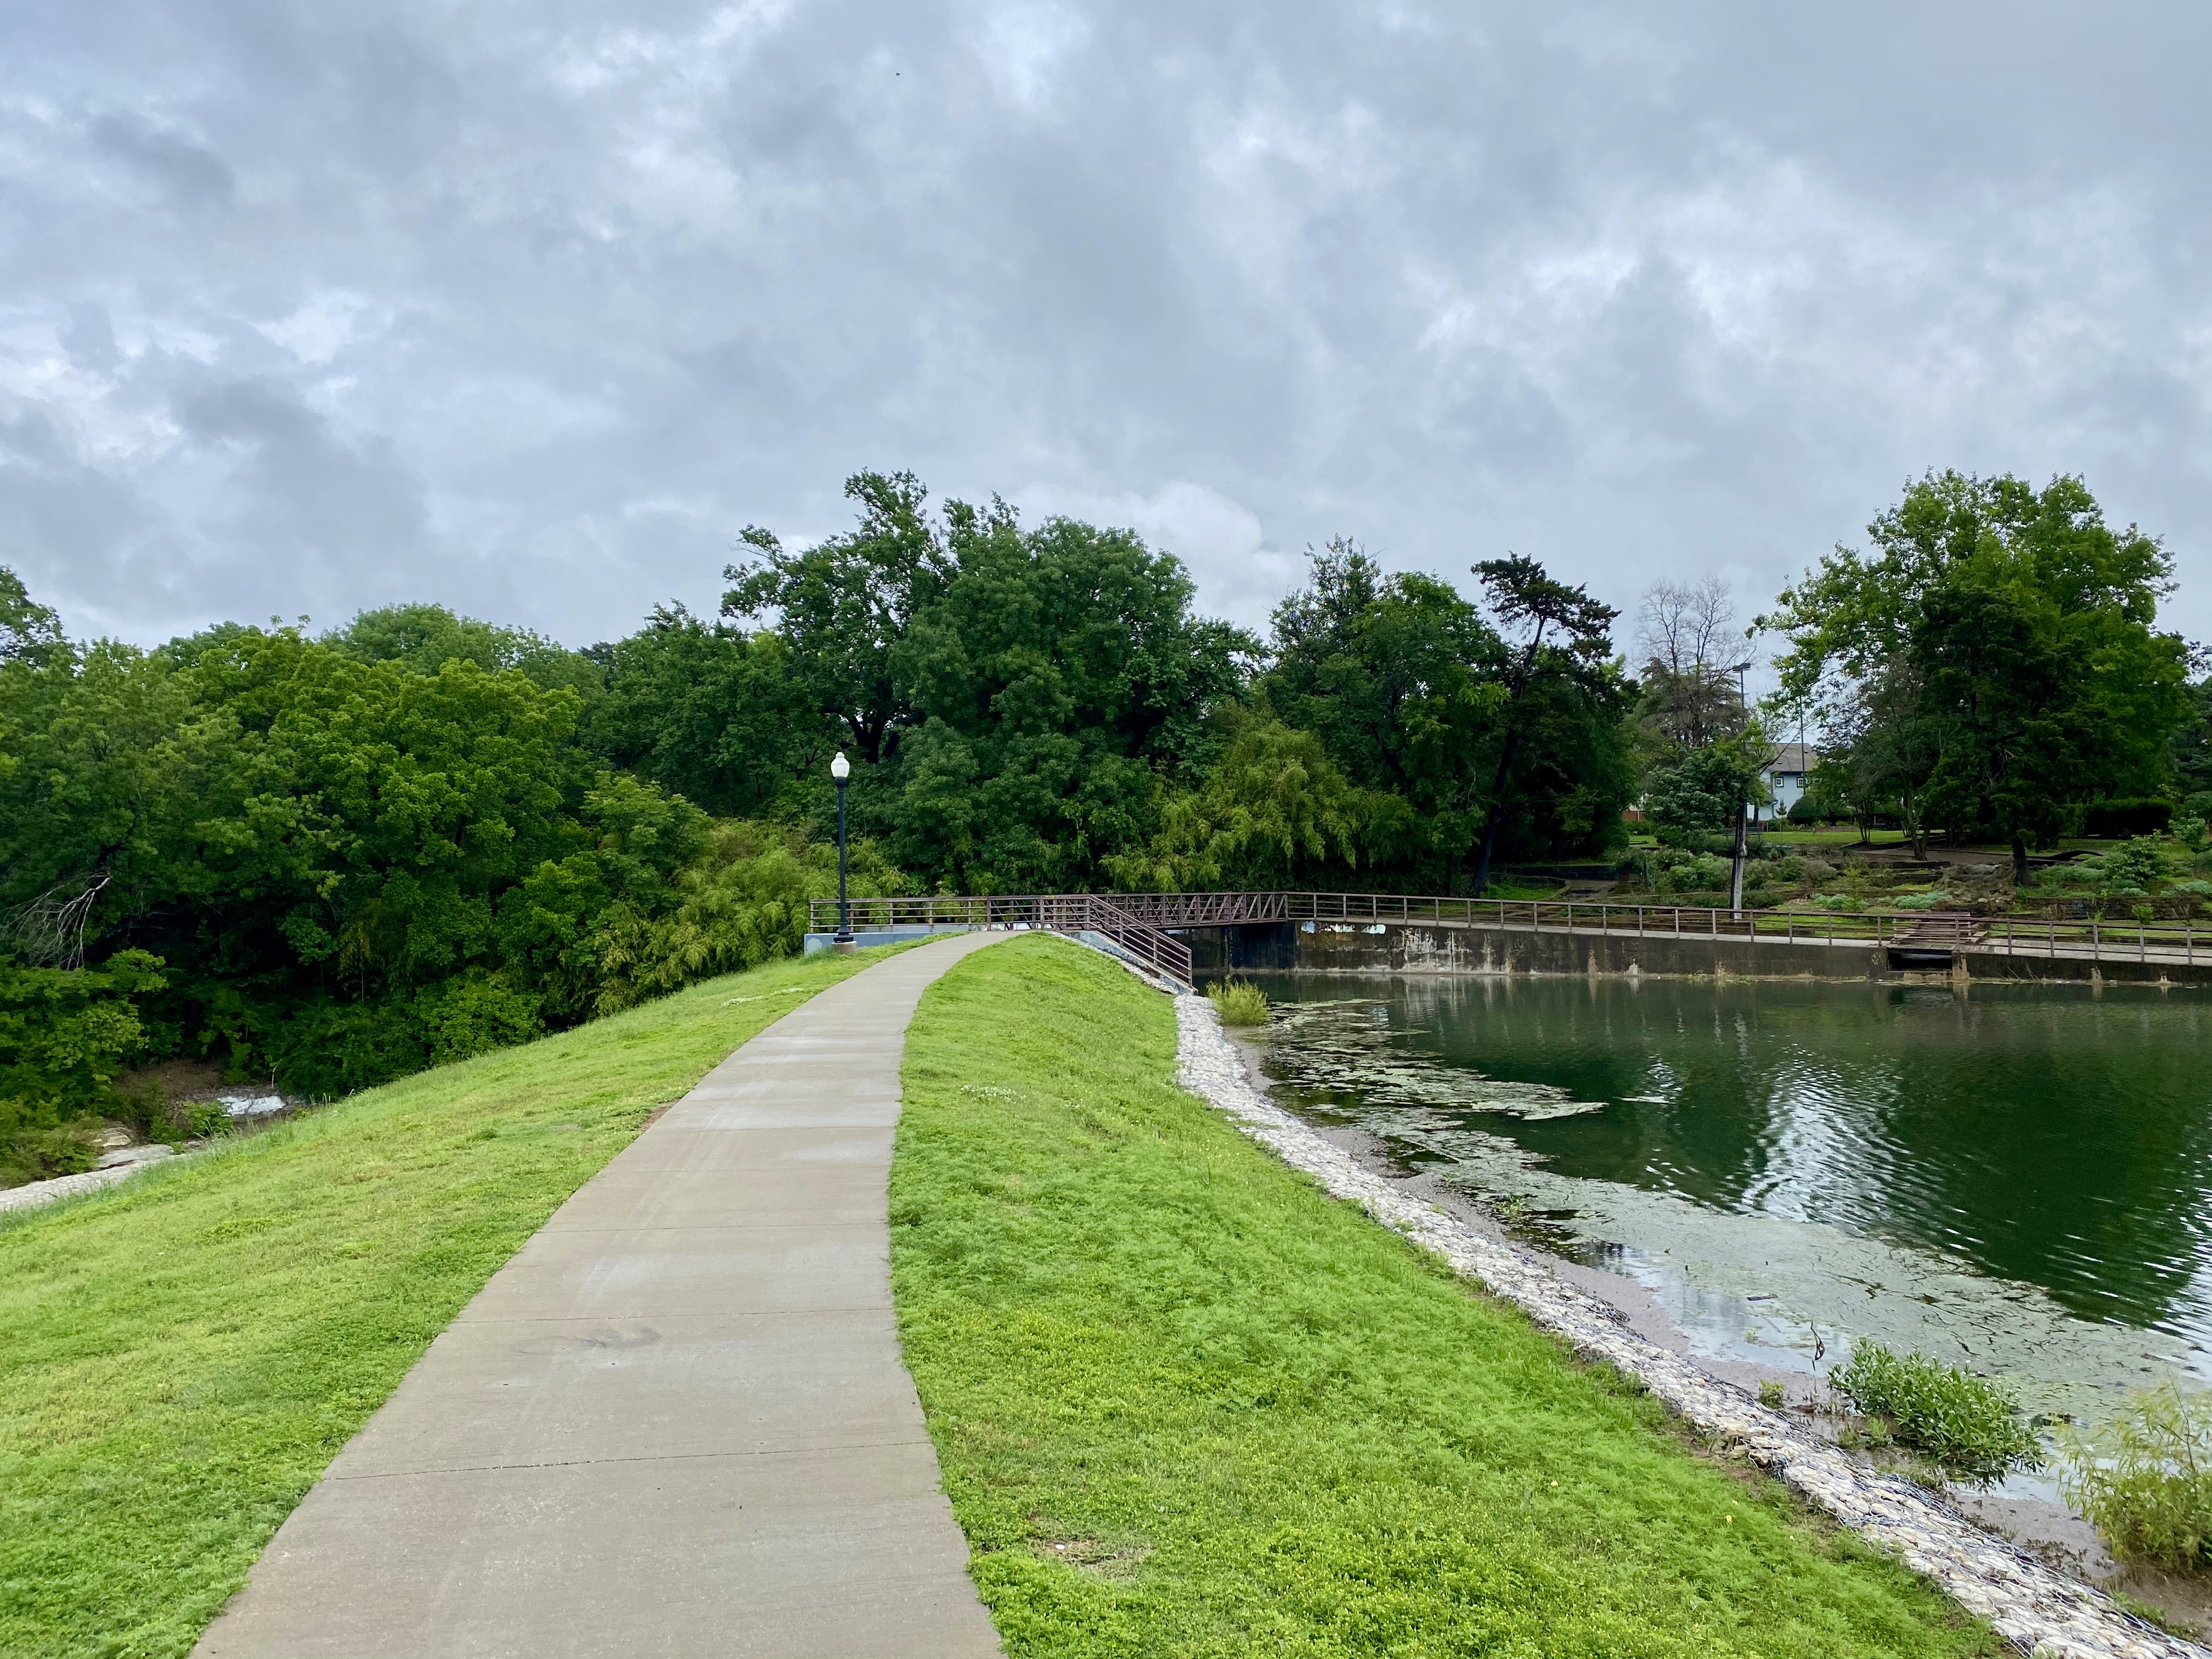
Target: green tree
{"type": "Point", "coordinates": [1700, 794]}
{"type": "Point", "coordinates": [1402, 680]}
{"type": "Point", "coordinates": [712, 713]}
{"type": "Point", "coordinates": [1275, 810]}
{"type": "Point", "coordinates": [1059, 675]}
{"type": "Point", "coordinates": [844, 604]}
{"type": "Point", "coordinates": [29, 632]}
{"type": "Point", "coordinates": [2081, 699]}
{"type": "Point", "coordinates": [1572, 675]}
{"type": "Point", "coordinates": [2192, 751]}
{"type": "Point", "coordinates": [426, 637]}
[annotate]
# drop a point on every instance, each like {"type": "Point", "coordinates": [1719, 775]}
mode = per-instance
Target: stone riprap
{"type": "Point", "coordinates": [2038, 1610]}
{"type": "Point", "coordinates": [36, 1193]}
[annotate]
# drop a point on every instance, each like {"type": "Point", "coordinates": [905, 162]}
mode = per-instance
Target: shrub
{"type": "Point", "coordinates": [1969, 1424]}
{"type": "Point", "coordinates": [2146, 1482]}
{"type": "Point", "coordinates": [64, 1037]}
{"type": "Point", "coordinates": [41, 1154]}
{"type": "Point", "coordinates": [1239, 1002]}
{"type": "Point", "coordinates": [1677, 871]}
{"type": "Point", "coordinates": [206, 1118]}
{"type": "Point", "coordinates": [1934, 899]}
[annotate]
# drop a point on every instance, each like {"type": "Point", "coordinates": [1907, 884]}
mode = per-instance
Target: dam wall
{"type": "Point", "coordinates": [1488, 949]}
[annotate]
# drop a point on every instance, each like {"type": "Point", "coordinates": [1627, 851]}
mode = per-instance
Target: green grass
{"type": "Point", "coordinates": [1186, 1405]}
{"type": "Point", "coordinates": [185, 1353]}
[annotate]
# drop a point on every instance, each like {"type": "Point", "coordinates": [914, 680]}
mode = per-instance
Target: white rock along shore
{"type": "Point", "coordinates": [32, 1195]}
{"type": "Point", "coordinates": [2037, 1609]}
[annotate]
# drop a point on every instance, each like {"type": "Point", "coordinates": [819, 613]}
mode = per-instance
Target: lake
{"type": "Point", "coordinates": [2019, 1179]}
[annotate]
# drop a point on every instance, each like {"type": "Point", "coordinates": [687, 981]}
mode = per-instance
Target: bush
{"type": "Point", "coordinates": [1969, 1424]}
{"type": "Point", "coordinates": [41, 1154]}
{"type": "Point", "coordinates": [1677, 871]}
{"type": "Point", "coordinates": [1238, 1002]}
{"type": "Point", "coordinates": [1934, 899]}
{"type": "Point", "coordinates": [2146, 1483]}
{"type": "Point", "coordinates": [63, 1036]}
{"type": "Point", "coordinates": [2115, 819]}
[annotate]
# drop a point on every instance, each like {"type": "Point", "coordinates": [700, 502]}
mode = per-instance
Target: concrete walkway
{"type": "Point", "coordinates": [677, 1424]}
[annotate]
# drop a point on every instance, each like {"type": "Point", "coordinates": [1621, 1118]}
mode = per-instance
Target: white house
{"type": "Point", "coordinates": [1785, 777]}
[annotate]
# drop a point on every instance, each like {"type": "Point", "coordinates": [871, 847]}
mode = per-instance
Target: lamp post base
{"type": "Point", "coordinates": [844, 947]}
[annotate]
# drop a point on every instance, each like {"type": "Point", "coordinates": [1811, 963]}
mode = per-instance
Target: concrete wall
{"type": "Point", "coordinates": [1428, 948]}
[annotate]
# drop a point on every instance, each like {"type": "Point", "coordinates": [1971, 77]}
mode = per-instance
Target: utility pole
{"type": "Point", "coordinates": [1742, 796]}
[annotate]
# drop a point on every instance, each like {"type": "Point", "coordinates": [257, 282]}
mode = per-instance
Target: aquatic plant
{"type": "Point", "coordinates": [1968, 1423]}
{"type": "Point", "coordinates": [1238, 1002]}
{"type": "Point", "coordinates": [2145, 1482]}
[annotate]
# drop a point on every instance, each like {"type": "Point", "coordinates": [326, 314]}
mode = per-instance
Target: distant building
{"type": "Point", "coordinates": [1785, 777]}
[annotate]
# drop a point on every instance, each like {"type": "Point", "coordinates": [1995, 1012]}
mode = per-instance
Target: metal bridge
{"type": "Point", "coordinates": [1142, 925]}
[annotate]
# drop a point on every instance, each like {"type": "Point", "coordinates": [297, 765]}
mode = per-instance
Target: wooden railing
{"type": "Point", "coordinates": [2091, 939]}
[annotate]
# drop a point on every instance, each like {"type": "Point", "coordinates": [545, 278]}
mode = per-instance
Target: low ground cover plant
{"type": "Point", "coordinates": [1185, 1404]}
{"type": "Point", "coordinates": [185, 1353]}
{"type": "Point", "coordinates": [2145, 1482]}
{"type": "Point", "coordinates": [1238, 1002]}
{"type": "Point", "coordinates": [1968, 1423]}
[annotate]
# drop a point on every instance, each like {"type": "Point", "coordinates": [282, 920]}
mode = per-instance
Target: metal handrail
{"type": "Point", "coordinates": [1066, 912]}
{"type": "Point", "coordinates": [1149, 914]}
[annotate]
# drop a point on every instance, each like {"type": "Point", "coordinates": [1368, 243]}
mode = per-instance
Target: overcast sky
{"type": "Point", "coordinates": [530, 308]}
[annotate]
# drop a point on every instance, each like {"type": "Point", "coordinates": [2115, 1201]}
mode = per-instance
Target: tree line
{"type": "Point", "coordinates": [326, 861]}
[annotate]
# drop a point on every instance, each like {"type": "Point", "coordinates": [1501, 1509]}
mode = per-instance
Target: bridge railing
{"type": "Point", "coordinates": [1066, 912]}
{"type": "Point", "coordinates": [2092, 938]}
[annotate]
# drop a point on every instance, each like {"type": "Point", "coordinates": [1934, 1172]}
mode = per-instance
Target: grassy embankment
{"type": "Point", "coordinates": [184, 1354]}
{"type": "Point", "coordinates": [1186, 1405]}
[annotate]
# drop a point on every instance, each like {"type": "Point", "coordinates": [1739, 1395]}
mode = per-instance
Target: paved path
{"type": "Point", "coordinates": [677, 1424]}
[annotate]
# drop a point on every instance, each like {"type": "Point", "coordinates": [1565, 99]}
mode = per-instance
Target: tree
{"type": "Point", "coordinates": [1522, 596]}
{"type": "Point", "coordinates": [1685, 635]}
{"type": "Point", "coordinates": [1403, 681]}
{"type": "Point", "coordinates": [1884, 743]}
{"type": "Point", "coordinates": [1274, 810]}
{"type": "Point", "coordinates": [844, 606]}
{"type": "Point", "coordinates": [2016, 743]}
{"type": "Point", "coordinates": [2192, 751]}
{"type": "Point", "coordinates": [1701, 793]}
{"type": "Point", "coordinates": [1059, 676]}
{"type": "Point", "coordinates": [708, 712]}
{"type": "Point", "coordinates": [2080, 700]}
{"type": "Point", "coordinates": [29, 632]}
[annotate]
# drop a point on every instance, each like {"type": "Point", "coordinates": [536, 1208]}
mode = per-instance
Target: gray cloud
{"type": "Point", "coordinates": [530, 309]}
{"type": "Point", "coordinates": [190, 174]}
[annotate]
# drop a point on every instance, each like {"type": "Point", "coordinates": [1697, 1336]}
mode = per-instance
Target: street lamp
{"type": "Point", "coordinates": [841, 770]}
{"type": "Point", "coordinates": [1742, 802]}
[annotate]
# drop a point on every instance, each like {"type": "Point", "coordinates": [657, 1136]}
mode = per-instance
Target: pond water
{"type": "Point", "coordinates": [2017, 1179]}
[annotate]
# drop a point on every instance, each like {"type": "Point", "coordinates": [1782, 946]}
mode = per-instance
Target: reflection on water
{"type": "Point", "coordinates": [2020, 1178]}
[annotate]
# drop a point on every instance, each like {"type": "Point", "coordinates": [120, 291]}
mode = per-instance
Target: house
{"type": "Point", "coordinates": [1785, 777]}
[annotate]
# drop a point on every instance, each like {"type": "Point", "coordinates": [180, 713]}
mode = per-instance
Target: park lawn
{"type": "Point", "coordinates": [1186, 1404]}
{"type": "Point", "coordinates": [184, 1354]}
